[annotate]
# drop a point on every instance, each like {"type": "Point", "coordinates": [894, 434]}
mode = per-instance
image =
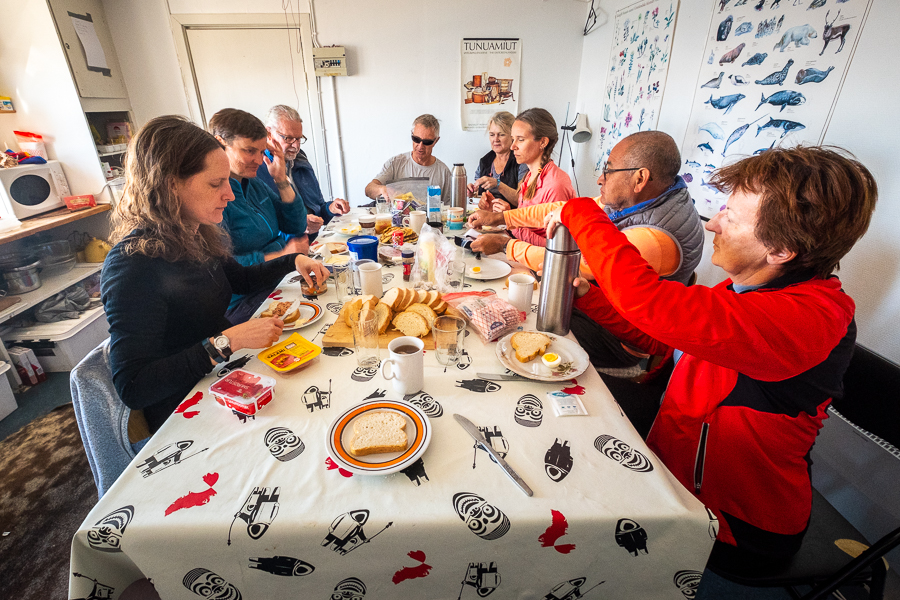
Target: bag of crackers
{"type": "Point", "coordinates": [487, 313]}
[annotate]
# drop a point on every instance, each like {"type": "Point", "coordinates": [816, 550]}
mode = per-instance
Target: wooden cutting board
{"type": "Point", "coordinates": [8, 301]}
{"type": "Point", "coordinates": [340, 334]}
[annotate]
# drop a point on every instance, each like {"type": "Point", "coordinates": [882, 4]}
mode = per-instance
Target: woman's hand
{"type": "Point", "coordinates": [498, 206]}
{"type": "Point", "coordinates": [487, 182]}
{"type": "Point", "coordinates": [487, 201]}
{"type": "Point", "coordinates": [307, 266]}
{"type": "Point", "coordinates": [277, 167]}
{"type": "Point", "coordinates": [255, 333]}
{"type": "Point", "coordinates": [471, 189]}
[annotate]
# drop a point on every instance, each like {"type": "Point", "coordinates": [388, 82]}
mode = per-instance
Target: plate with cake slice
{"type": "Point", "coordinates": [378, 437]}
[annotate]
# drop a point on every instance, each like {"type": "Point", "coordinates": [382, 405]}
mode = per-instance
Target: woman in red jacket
{"type": "Point", "coordinates": [759, 356]}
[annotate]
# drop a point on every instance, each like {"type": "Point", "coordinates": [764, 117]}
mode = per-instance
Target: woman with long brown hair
{"type": "Point", "coordinates": [534, 136]}
{"type": "Point", "coordinates": [168, 280]}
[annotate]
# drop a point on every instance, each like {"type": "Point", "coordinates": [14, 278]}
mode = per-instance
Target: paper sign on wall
{"type": "Point", "coordinates": [772, 73]}
{"type": "Point", "coordinates": [491, 69]}
{"type": "Point", "coordinates": [93, 50]}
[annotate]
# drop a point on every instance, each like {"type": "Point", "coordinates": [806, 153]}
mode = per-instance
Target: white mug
{"type": "Point", "coordinates": [370, 279]}
{"type": "Point", "coordinates": [407, 367]}
{"type": "Point", "coordinates": [521, 290]}
{"type": "Point", "coordinates": [415, 220]}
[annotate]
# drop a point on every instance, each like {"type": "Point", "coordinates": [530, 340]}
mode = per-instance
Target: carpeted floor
{"type": "Point", "coordinates": [46, 491]}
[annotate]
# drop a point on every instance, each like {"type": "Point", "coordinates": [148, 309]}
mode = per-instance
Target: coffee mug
{"type": "Point", "coordinates": [521, 290]}
{"type": "Point", "coordinates": [415, 220]}
{"type": "Point", "coordinates": [370, 279]}
{"type": "Point", "coordinates": [407, 365]}
{"type": "Point", "coordinates": [456, 217]}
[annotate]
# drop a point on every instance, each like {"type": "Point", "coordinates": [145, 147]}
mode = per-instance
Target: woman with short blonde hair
{"type": "Point", "coordinates": [498, 173]}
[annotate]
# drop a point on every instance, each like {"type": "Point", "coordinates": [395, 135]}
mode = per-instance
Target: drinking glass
{"type": "Point", "coordinates": [365, 339]}
{"type": "Point", "coordinates": [343, 282]}
{"type": "Point", "coordinates": [455, 277]}
{"type": "Point", "coordinates": [449, 333]}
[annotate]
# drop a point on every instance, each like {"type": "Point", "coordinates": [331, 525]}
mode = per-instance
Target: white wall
{"type": "Point", "coordinates": [35, 74]}
{"type": "Point", "coordinates": [403, 58]}
{"type": "Point", "coordinates": [864, 122]}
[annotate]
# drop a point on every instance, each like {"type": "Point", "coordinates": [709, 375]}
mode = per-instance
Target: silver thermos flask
{"type": "Point", "coordinates": [458, 186]}
{"type": "Point", "coordinates": [561, 260]}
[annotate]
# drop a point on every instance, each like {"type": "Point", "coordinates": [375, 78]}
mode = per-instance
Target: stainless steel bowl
{"type": "Point", "coordinates": [24, 278]}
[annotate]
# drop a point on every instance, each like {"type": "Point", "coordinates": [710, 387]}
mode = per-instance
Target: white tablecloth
{"type": "Point", "coordinates": [617, 520]}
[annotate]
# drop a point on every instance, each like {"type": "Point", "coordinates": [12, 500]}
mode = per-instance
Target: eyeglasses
{"type": "Point", "coordinates": [417, 140]}
{"type": "Point", "coordinates": [290, 141]}
{"type": "Point", "coordinates": [606, 171]}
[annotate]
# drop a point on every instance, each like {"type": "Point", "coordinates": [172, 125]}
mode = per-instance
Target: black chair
{"type": "Point", "coordinates": [871, 388]}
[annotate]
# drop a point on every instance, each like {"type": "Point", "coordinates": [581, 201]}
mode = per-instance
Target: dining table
{"type": "Point", "coordinates": [223, 505]}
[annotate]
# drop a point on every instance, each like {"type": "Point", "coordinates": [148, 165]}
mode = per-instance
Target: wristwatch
{"type": "Point", "coordinates": [220, 349]}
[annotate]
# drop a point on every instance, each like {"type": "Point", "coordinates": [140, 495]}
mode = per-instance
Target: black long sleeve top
{"type": "Point", "coordinates": [159, 313]}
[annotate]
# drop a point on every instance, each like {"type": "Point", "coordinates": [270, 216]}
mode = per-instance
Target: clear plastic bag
{"type": "Point", "coordinates": [489, 315]}
{"type": "Point", "coordinates": [433, 252]}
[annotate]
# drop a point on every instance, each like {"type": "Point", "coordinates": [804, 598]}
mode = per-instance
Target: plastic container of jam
{"type": "Point", "coordinates": [243, 391]}
{"type": "Point", "coordinates": [291, 355]}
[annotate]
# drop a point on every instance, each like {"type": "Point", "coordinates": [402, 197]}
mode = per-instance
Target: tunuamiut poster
{"type": "Point", "coordinates": [771, 74]}
{"type": "Point", "coordinates": [490, 79]}
{"type": "Point", "coordinates": [638, 65]}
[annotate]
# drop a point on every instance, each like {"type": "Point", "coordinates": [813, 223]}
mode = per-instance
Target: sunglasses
{"type": "Point", "coordinates": [417, 140]}
{"type": "Point", "coordinates": [291, 140]}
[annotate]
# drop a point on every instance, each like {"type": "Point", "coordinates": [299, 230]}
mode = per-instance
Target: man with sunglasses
{"type": "Point", "coordinates": [285, 127]}
{"type": "Point", "coordinates": [419, 163]}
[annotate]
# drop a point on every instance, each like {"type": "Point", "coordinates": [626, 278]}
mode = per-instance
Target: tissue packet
{"type": "Point", "coordinates": [566, 405]}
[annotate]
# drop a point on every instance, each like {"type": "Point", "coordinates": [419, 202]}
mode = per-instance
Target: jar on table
{"type": "Point", "coordinates": [408, 257]}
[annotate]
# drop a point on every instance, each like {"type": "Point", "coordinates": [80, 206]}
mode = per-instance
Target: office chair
{"type": "Point", "coordinates": [871, 387]}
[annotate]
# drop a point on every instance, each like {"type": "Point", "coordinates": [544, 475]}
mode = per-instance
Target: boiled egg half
{"type": "Point", "coordinates": [550, 359]}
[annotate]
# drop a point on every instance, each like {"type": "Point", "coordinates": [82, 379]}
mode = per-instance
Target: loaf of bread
{"type": "Point", "coordinates": [410, 323]}
{"type": "Point", "coordinates": [529, 345]}
{"type": "Point", "coordinates": [378, 432]}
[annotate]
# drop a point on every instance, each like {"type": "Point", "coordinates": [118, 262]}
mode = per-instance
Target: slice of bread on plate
{"type": "Point", "coordinates": [410, 323]}
{"type": "Point", "coordinates": [378, 432]}
{"type": "Point", "coordinates": [383, 314]}
{"type": "Point", "coordinates": [529, 345]}
{"type": "Point", "coordinates": [425, 311]}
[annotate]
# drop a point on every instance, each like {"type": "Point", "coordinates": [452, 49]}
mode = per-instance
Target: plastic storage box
{"type": "Point", "coordinates": [60, 346]}
{"type": "Point", "coordinates": [7, 400]}
{"type": "Point", "coordinates": [243, 391]}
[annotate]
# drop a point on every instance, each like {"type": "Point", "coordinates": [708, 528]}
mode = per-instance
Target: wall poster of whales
{"type": "Point", "coordinates": [638, 65]}
{"type": "Point", "coordinates": [772, 72]}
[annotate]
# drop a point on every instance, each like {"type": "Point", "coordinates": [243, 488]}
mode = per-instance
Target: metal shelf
{"type": "Point", "coordinates": [50, 286]}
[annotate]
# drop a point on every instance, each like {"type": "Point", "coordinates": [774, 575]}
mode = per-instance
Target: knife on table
{"type": "Point", "coordinates": [472, 430]}
{"type": "Point", "coordinates": [505, 377]}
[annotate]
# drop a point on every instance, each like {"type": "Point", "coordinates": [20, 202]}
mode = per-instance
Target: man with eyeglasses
{"type": "Point", "coordinates": [419, 163]}
{"type": "Point", "coordinates": [645, 198]}
{"type": "Point", "coordinates": [285, 127]}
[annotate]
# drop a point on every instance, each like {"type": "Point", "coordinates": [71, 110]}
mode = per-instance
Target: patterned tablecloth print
{"type": "Point", "coordinates": [219, 505]}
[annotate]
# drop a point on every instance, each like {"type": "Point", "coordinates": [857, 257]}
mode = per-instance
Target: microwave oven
{"type": "Point", "coordinates": [29, 190]}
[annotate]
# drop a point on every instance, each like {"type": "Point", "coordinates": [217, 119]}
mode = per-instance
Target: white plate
{"type": "Point", "coordinates": [491, 268]}
{"type": "Point", "coordinates": [418, 432]}
{"type": "Point", "coordinates": [574, 360]}
{"type": "Point", "coordinates": [317, 247]}
{"type": "Point", "coordinates": [310, 312]}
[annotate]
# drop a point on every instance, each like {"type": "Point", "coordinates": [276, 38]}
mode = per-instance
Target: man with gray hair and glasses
{"type": "Point", "coordinates": [285, 129]}
{"type": "Point", "coordinates": [426, 132]}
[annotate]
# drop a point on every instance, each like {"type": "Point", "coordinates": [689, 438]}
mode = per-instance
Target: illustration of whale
{"type": "Point", "coordinates": [761, 150]}
{"type": "Point", "coordinates": [738, 80]}
{"type": "Point", "coordinates": [786, 126]}
{"type": "Point", "coordinates": [726, 102]}
{"type": "Point", "coordinates": [724, 29]}
{"type": "Point", "coordinates": [713, 129]}
{"type": "Point", "coordinates": [715, 82]}
{"type": "Point", "coordinates": [745, 27]}
{"type": "Point", "coordinates": [782, 99]}
{"type": "Point", "coordinates": [812, 75]}
{"type": "Point", "coordinates": [705, 146]}
{"type": "Point", "coordinates": [731, 55]}
{"type": "Point", "coordinates": [756, 59]}
{"type": "Point", "coordinates": [736, 135]}
{"type": "Point", "coordinates": [777, 77]}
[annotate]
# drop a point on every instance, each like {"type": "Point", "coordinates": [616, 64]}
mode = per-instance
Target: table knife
{"type": "Point", "coordinates": [503, 377]}
{"type": "Point", "coordinates": [472, 430]}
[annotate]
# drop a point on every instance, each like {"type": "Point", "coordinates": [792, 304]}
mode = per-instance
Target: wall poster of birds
{"type": "Point", "coordinates": [771, 75]}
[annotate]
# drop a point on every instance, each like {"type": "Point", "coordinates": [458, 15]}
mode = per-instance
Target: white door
{"type": "Point", "coordinates": [251, 63]}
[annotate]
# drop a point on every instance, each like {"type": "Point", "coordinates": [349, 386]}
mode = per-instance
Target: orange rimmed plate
{"type": "Point", "coordinates": [418, 432]}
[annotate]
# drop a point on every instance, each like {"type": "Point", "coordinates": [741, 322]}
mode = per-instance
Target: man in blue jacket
{"type": "Point", "coordinates": [263, 224]}
{"type": "Point", "coordinates": [285, 127]}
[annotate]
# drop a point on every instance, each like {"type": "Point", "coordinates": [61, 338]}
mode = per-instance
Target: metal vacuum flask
{"type": "Point", "coordinates": [561, 260]}
{"type": "Point", "coordinates": [458, 186]}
